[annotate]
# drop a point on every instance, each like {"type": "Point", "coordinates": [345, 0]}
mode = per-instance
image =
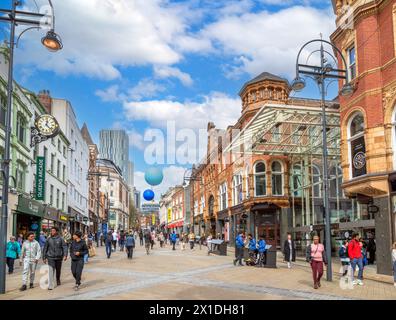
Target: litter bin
{"type": "Point", "coordinates": [222, 248]}
{"type": "Point", "coordinates": [270, 261]}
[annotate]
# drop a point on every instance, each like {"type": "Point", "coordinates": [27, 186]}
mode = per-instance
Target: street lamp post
{"type": "Point", "coordinates": [320, 74]}
{"type": "Point", "coordinates": [53, 43]}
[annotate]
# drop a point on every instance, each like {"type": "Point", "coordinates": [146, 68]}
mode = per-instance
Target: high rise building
{"type": "Point", "coordinates": [114, 146]}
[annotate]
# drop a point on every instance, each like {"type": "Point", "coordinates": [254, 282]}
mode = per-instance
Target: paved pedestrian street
{"type": "Point", "coordinates": [193, 275]}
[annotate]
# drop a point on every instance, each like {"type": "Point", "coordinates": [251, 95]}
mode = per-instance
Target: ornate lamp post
{"type": "Point", "coordinates": [321, 73]}
{"type": "Point", "coordinates": [53, 43]}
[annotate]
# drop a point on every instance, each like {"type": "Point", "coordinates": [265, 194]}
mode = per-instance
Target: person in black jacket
{"type": "Point", "coordinates": [78, 249]}
{"type": "Point", "coordinates": [289, 250]}
{"type": "Point", "coordinates": [55, 250]}
{"type": "Point", "coordinates": [108, 243]}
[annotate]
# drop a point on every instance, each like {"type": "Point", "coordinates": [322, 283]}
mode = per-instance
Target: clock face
{"type": "Point", "coordinates": [47, 125]}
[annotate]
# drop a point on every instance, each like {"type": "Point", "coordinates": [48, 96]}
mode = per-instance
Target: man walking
{"type": "Point", "coordinates": [141, 237]}
{"type": "Point", "coordinates": [55, 250]}
{"type": "Point", "coordinates": [147, 241]}
{"type": "Point", "coordinates": [289, 250]}
{"type": "Point", "coordinates": [121, 242]}
{"type": "Point", "coordinates": [356, 257]}
{"type": "Point", "coordinates": [42, 240]}
{"type": "Point", "coordinates": [173, 239]}
{"type": "Point", "coordinates": [78, 249]}
{"type": "Point", "coordinates": [239, 246]}
{"type": "Point", "coordinates": [30, 255]}
{"type": "Point", "coordinates": [108, 244]}
{"type": "Point", "coordinates": [191, 239]}
{"type": "Point", "coordinates": [13, 251]}
{"type": "Point", "coordinates": [130, 245]}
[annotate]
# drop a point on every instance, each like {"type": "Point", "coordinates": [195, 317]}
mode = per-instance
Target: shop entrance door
{"type": "Point", "coordinates": [268, 226]}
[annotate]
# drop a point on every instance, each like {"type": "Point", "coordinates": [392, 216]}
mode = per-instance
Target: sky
{"type": "Point", "coordinates": [148, 66]}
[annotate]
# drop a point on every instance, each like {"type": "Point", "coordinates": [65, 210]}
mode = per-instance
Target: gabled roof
{"type": "Point", "coordinates": [263, 76]}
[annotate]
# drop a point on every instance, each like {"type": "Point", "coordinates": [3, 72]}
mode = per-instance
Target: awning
{"type": "Point", "coordinates": [175, 225]}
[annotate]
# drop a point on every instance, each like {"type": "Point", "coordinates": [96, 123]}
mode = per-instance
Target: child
{"type": "Point", "coordinates": [343, 254]}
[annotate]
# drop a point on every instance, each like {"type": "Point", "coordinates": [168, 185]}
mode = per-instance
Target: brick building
{"type": "Point", "coordinates": [366, 34]}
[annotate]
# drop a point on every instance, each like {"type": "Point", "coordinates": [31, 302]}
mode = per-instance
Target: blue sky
{"type": "Point", "coordinates": [136, 64]}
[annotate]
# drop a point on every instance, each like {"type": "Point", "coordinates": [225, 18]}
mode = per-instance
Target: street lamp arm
{"type": "Point", "coordinates": [21, 34]}
{"type": "Point", "coordinates": [330, 44]}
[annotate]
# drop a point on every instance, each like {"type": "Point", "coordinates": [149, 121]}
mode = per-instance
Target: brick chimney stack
{"type": "Point", "coordinates": [45, 99]}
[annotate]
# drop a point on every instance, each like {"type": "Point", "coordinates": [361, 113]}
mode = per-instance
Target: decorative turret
{"type": "Point", "coordinates": [264, 88]}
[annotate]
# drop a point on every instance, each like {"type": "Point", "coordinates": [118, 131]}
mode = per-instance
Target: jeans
{"type": "Point", "coordinates": [238, 255]}
{"type": "Point", "coordinates": [121, 244]}
{"type": "Point", "coordinates": [108, 249]}
{"type": "Point", "coordinates": [10, 264]}
{"type": "Point", "coordinates": [115, 245]}
{"type": "Point", "coordinates": [129, 252]}
{"type": "Point", "coordinates": [76, 269]}
{"type": "Point", "coordinates": [173, 244]}
{"type": "Point", "coordinates": [359, 263]}
{"type": "Point", "coordinates": [394, 271]}
{"type": "Point", "coordinates": [86, 256]}
{"type": "Point", "coordinates": [141, 241]}
{"type": "Point", "coordinates": [191, 245]}
{"type": "Point", "coordinates": [317, 270]}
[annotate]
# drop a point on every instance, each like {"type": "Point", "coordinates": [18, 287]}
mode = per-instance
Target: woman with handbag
{"type": "Point", "coordinates": [13, 252]}
{"type": "Point", "coordinates": [316, 256]}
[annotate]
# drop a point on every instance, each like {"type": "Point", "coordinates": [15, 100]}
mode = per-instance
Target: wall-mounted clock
{"type": "Point", "coordinates": [47, 125]}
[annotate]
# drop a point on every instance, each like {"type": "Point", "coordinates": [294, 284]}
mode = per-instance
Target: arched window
{"type": "Point", "coordinates": [357, 145]}
{"type": "Point", "coordinates": [316, 182]}
{"type": "Point", "coordinates": [237, 189]}
{"type": "Point", "coordinates": [277, 178]}
{"type": "Point", "coordinates": [223, 196]}
{"type": "Point", "coordinates": [296, 180]}
{"type": "Point", "coordinates": [260, 184]}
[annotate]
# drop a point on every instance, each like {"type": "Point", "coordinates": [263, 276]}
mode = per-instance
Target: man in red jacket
{"type": "Point", "coordinates": [355, 254]}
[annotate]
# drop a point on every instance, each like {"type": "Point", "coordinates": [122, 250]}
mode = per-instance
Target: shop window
{"type": "Point", "coordinates": [260, 181]}
{"type": "Point", "coordinates": [277, 178]}
{"type": "Point", "coordinates": [237, 189]}
{"type": "Point", "coordinates": [357, 145]}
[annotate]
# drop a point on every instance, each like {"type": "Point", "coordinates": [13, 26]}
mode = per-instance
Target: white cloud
{"type": "Point", "coordinates": [146, 88]}
{"type": "Point", "coordinates": [171, 72]}
{"type": "Point", "coordinates": [136, 140]}
{"type": "Point", "coordinates": [173, 175]}
{"type": "Point", "coordinates": [217, 107]}
{"type": "Point", "coordinates": [268, 41]}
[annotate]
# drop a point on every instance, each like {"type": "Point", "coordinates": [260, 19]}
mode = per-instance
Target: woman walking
{"type": "Point", "coordinates": [289, 250]}
{"type": "Point", "coordinates": [316, 256]}
{"type": "Point", "coordinates": [78, 251]}
{"type": "Point", "coordinates": [394, 263]}
{"type": "Point", "coordinates": [13, 252]}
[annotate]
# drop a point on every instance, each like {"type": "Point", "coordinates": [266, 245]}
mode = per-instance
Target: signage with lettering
{"type": "Point", "coordinates": [31, 207]}
{"type": "Point", "coordinates": [358, 150]}
{"type": "Point", "coordinates": [153, 219]}
{"type": "Point", "coordinates": [169, 214]}
{"type": "Point", "coordinates": [150, 207]}
{"type": "Point", "coordinates": [40, 178]}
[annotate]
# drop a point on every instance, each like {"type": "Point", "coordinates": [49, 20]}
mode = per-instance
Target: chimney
{"type": "Point", "coordinates": [45, 99]}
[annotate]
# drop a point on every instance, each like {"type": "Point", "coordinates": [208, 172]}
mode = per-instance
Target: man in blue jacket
{"type": "Point", "coordinates": [239, 245]}
{"type": "Point", "coordinates": [262, 249]}
{"type": "Point", "coordinates": [173, 239]}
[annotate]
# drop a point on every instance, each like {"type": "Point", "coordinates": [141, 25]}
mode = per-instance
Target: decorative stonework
{"type": "Point", "coordinates": [389, 97]}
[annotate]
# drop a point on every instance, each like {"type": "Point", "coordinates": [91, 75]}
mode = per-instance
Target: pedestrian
{"type": "Point", "coordinates": [191, 239]}
{"type": "Point", "coordinates": [42, 240]}
{"type": "Point", "coordinates": [13, 251]}
{"type": "Point", "coordinates": [161, 239]}
{"type": "Point", "coordinates": [394, 263]}
{"type": "Point", "coordinates": [97, 238]}
{"type": "Point", "coordinates": [147, 241]}
{"type": "Point", "coordinates": [262, 248]}
{"type": "Point", "coordinates": [152, 239]}
{"type": "Point", "coordinates": [87, 243]}
{"type": "Point", "coordinates": [363, 246]}
{"type": "Point", "coordinates": [108, 244]}
{"type": "Point", "coordinates": [67, 237]}
{"type": "Point", "coordinates": [371, 249]}
{"type": "Point", "coordinates": [316, 256]}
{"type": "Point", "coordinates": [252, 248]}
{"type": "Point", "coordinates": [130, 245]}
{"type": "Point", "coordinates": [55, 250]}
{"type": "Point", "coordinates": [102, 238]}
{"type": "Point", "coordinates": [141, 237]}
{"type": "Point", "coordinates": [343, 254]}
{"type": "Point", "coordinates": [20, 239]}
{"type": "Point", "coordinates": [289, 250]}
{"type": "Point", "coordinates": [115, 238]}
{"type": "Point", "coordinates": [183, 241]}
{"type": "Point", "coordinates": [121, 241]}
{"type": "Point", "coordinates": [30, 255]}
{"type": "Point", "coordinates": [173, 239]}
{"type": "Point", "coordinates": [78, 251]}
{"type": "Point", "coordinates": [356, 257]}
{"type": "Point", "coordinates": [239, 246]}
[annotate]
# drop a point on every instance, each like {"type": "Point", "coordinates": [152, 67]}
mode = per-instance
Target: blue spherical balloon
{"type": "Point", "coordinates": [154, 176]}
{"type": "Point", "coordinates": [148, 195]}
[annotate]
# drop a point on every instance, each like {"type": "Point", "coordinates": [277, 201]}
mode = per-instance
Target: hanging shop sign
{"type": "Point", "coordinates": [40, 178]}
{"type": "Point", "coordinates": [358, 148]}
{"type": "Point", "coordinates": [30, 206]}
{"type": "Point", "coordinates": [153, 219]}
{"type": "Point", "coordinates": [63, 218]}
{"type": "Point", "coordinates": [169, 214]}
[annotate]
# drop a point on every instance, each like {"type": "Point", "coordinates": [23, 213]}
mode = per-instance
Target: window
{"type": "Point", "coordinates": [357, 145]}
{"type": "Point", "coordinates": [352, 62]}
{"type": "Point", "coordinates": [51, 195]}
{"type": "Point", "coordinates": [276, 133]}
{"type": "Point", "coordinates": [223, 196]}
{"type": "Point", "coordinates": [64, 152]}
{"type": "Point", "coordinates": [277, 179]}
{"type": "Point", "coordinates": [296, 181]}
{"type": "Point", "coordinates": [52, 163]}
{"type": "Point", "coordinates": [46, 154]}
{"type": "Point", "coordinates": [57, 198]}
{"type": "Point", "coordinates": [237, 189]}
{"type": "Point", "coordinates": [316, 182]}
{"type": "Point", "coordinates": [20, 177]}
{"type": "Point", "coordinates": [3, 109]}
{"type": "Point", "coordinates": [247, 183]}
{"type": "Point", "coordinates": [58, 170]}
{"type": "Point", "coordinates": [21, 128]}
{"type": "Point", "coordinates": [336, 182]}
{"type": "Point", "coordinates": [260, 181]}
{"type": "Point", "coordinates": [59, 146]}
{"type": "Point", "coordinates": [63, 201]}
{"type": "Point", "coordinates": [64, 173]}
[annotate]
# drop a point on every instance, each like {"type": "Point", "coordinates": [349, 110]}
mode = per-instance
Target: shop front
{"type": "Point", "coordinates": [223, 225]}
{"type": "Point", "coordinates": [50, 219]}
{"type": "Point", "coordinates": [63, 219]}
{"type": "Point", "coordinates": [28, 216]}
{"type": "Point", "coordinates": [176, 226]}
{"type": "Point", "coordinates": [75, 219]}
{"type": "Point", "coordinates": [199, 225]}
{"type": "Point", "coordinates": [238, 222]}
